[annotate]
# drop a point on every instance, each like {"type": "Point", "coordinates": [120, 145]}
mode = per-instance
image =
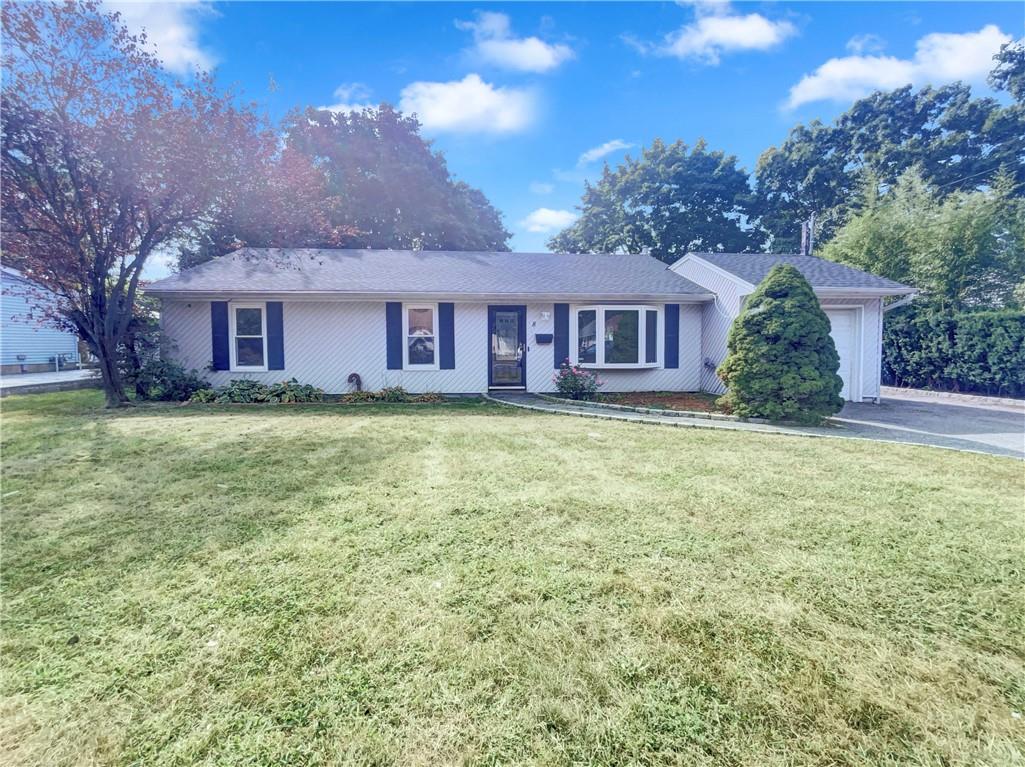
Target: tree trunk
{"type": "Point", "coordinates": [113, 387]}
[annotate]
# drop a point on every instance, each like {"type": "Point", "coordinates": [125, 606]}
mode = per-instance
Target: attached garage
{"type": "Point", "coordinates": [844, 326]}
{"type": "Point", "coordinates": [852, 300]}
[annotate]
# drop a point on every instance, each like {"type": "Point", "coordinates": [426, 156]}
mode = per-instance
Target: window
{"type": "Point", "coordinates": [248, 337]}
{"type": "Point", "coordinates": [628, 338]}
{"type": "Point", "coordinates": [420, 348]}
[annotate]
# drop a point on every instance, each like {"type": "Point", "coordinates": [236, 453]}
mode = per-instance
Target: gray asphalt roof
{"type": "Point", "coordinates": [268, 270]}
{"type": "Point", "coordinates": [753, 267]}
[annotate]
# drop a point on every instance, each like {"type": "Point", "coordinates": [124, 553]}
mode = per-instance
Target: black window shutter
{"type": "Point", "coordinates": [393, 333]}
{"type": "Point", "coordinates": [672, 336]}
{"type": "Point", "coordinates": [447, 336]}
{"type": "Point", "coordinates": [220, 357]}
{"type": "Point", "coordinates": [275, 336]}
{"type": "Point", "coordinates": [561, 340]}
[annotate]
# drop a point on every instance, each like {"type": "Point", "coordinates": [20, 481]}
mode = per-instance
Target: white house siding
{"type": "Point", "coordinates": [716, 318]}
{"type": "Point", "coordinates": [326, 341]}
{"type": "Point", "coordinates": [24, 329]}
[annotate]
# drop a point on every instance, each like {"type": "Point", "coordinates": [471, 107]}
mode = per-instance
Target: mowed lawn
{"type": "Point", "coordinates": [467, 584]}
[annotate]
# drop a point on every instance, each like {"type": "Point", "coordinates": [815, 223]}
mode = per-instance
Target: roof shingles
{"type": "Point", "coordinates": [439, 273]}
{"type": "Point", "coordinates": [752, 268]}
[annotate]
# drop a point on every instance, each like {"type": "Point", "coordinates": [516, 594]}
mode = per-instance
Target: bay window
{"type": "Point", "coordinates": [616, 336]}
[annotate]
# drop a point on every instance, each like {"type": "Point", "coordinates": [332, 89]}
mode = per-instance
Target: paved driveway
{"type": "Point", "coordinates": [997, 429]}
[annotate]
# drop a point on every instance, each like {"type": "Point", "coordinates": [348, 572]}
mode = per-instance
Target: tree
{"type": "Point", "coordinates": [965, 250]}
{"type": "Point", "coordinates": [358, 180]}
{"type": "Point", "coordinates": [104, 160]}
{"type": "Point", "coordinates": [1009, 73]}
{"type": "Point", "coordinates": [781, 362]}
{"type": "Point", "coordinates": [959, 143]}
{"type": "Point", "coordinates": [669, 201]}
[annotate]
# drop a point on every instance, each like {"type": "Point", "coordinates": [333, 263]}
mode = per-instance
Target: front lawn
{"type": "Point", "coordinates": [477, 585]}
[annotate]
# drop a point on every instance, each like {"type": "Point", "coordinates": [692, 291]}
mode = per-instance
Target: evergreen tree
{"type": "Point", "coordinates": [782, 363]}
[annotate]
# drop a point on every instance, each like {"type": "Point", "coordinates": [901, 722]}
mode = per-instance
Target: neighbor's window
{"type": "Point", "coordinates": [249, 337]}
{"type": "Point", "coordinates": [420, 347]}
{"type": "Point", "coordinates": [628, 336]}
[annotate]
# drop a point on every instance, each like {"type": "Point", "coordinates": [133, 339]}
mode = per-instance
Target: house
{"type": "Point", "coordinates": [460, 322]}
{"type": "Point", "coordinates": [29, 343]}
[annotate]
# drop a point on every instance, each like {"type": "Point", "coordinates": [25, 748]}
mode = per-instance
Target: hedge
{"type": "Point", "coordinates": [969, 352]}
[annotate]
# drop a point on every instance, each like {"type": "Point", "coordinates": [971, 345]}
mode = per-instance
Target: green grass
{"type": "Point", "coordinates": [466, 584]}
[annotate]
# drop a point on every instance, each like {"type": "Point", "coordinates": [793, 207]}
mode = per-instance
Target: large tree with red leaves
{"type": "Point", "coordinates": [106, 159]}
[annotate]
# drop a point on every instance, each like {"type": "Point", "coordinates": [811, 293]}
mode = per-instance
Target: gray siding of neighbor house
{"type": "Point", "coordinates": [23, 328]}
{"type": "Point", "coordinates": [718, 317]}
{"type": "Point", "coordinates": [325, 341]}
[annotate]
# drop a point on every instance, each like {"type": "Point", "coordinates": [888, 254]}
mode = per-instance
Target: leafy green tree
{"type": "Point", "coordinates": [965, 250]}
{"type": "Point", "coordinates": [958, 142]}
{"type": "Point", "coordinates": [1009, 73]}
{"type": "Point", "coordinates": [782, 363]}
{"type": "Point", "coordinates": [669, 201]}
{"type": "Point", "coordinates": [357, 180]}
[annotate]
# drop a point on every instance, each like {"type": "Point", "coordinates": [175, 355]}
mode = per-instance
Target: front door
{"type": "Point", "coordinates": [507, 329]}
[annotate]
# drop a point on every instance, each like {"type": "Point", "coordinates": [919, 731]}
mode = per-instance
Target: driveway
{"type": "Point", "coordinates": [997, 429]}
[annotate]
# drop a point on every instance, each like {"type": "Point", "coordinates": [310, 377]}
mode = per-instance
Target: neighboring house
{"type": "Point", "coordinates": [461, 322]}
{"type": "Point", "coordinates": [29, 342]}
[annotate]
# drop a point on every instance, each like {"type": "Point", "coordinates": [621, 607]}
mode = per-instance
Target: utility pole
{"type": "Point", "coordinates": [811, 234]}
{"type": "Point", "coordinates": [808, 236]}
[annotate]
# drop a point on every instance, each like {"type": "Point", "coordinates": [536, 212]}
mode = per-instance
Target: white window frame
{"type": "Point", "coordinates": [406, 364]}
{"type": "Point", "coordinates": [599, 352]}
{"type": "Point", "coordinates": [232, 306]}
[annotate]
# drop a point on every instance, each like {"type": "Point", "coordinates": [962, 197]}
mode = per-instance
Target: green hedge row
{"type": "Point", "coordinates": [980, 352]}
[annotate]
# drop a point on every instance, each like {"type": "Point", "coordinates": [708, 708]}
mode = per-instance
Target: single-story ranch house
{"type": "Point", "coordinates": [462, 322]}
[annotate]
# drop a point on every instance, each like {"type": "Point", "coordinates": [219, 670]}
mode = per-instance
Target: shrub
{"type": "Point", "coordinates": [292, 391]}
{"type": "Point", "coordinates": [393, 394]}
{"type": "Point", "coordinates": [243, 390]}
{"type": "Point", "coordinates": [924, 347]}
{"type": "Point", "coordinates": [428, 396]}
{"type": "Point", "coordinates": [576, 383]}
{"type": "Point", "coordinates": [167, 381]}
{"type": "Point", "coordinates": [204, 396]}
{"type": "Point", "coordinates": [359, 396]}
{"type": "Point", "coordinates": [781, 362]}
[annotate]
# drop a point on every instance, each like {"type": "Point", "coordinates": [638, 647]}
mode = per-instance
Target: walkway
{"type": "Point", "coordinates": [856, 421]}
{"type": "Point", "coordinates": [35, 383]}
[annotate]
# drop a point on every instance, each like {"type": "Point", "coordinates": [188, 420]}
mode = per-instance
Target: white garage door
{"type": "Point", "coordinates": [843, 328]}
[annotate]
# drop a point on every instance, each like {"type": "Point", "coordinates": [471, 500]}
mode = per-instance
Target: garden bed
{"type": "Point", "coordinates": [662, 400]}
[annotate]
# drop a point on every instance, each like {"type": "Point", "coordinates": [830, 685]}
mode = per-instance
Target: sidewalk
{"type": "Point", "coordinates": [35, 383]}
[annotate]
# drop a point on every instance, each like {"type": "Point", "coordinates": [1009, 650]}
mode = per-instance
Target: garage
{"type": "Point", "coordinates": [844, 325]}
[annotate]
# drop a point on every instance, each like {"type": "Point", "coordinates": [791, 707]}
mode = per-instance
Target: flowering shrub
{"type": "Point", "coordinates": [576, 383]}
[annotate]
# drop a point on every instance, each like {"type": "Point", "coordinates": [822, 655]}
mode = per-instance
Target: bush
{"type": "Point", "coordinates": [243, 390]}
{"type": "Point", "coordinates": [359, 396]}
{"type": "Point", "coordinates": [393, 394]}
{"type": "Point", "coordinates": [292, 391]}
{"type": "Point", "coordinates": [167, 381]}
{"type": "Point", "coordinates": [204, 396]}
{"type": "Point", "coordinates": [926, 348]}
{"type": "Point", "coordinates": [781, 362]}
{"type": "Point", "coordinates": [576, 383]}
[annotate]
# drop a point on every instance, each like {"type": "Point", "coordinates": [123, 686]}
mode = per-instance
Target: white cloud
{"type": "Point", "coordinates": [545, 220]}
{"type": "Point", "coordinates": [939, 58]}
{"type": "Point", "coordinates": [716, 30]}
{"type": "Point", "coordinates": [350, 97]}
{"type": "Point", "coordinates": [469, 105]}
{"type": "Point", "coordinates": [540, 187]}
{"type": "Point", "coordinates": [862, 44]}
{"type": "Point", "coordinates": [495, 44]}
{"type": "Point", "coordinates": [172, 30]}
{"type": "Point", "coordinates": [596, 153]}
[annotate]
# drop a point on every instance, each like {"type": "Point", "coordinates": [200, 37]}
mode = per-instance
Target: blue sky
{"type": "Point", "coordinates": [527, 99]}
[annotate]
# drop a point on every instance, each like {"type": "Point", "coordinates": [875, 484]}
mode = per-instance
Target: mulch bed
{"type": "Point", "coordinates": [704, 403]}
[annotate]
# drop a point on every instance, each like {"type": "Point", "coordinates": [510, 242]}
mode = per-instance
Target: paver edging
{"type": "Point", "coordinates": [651, 410]}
